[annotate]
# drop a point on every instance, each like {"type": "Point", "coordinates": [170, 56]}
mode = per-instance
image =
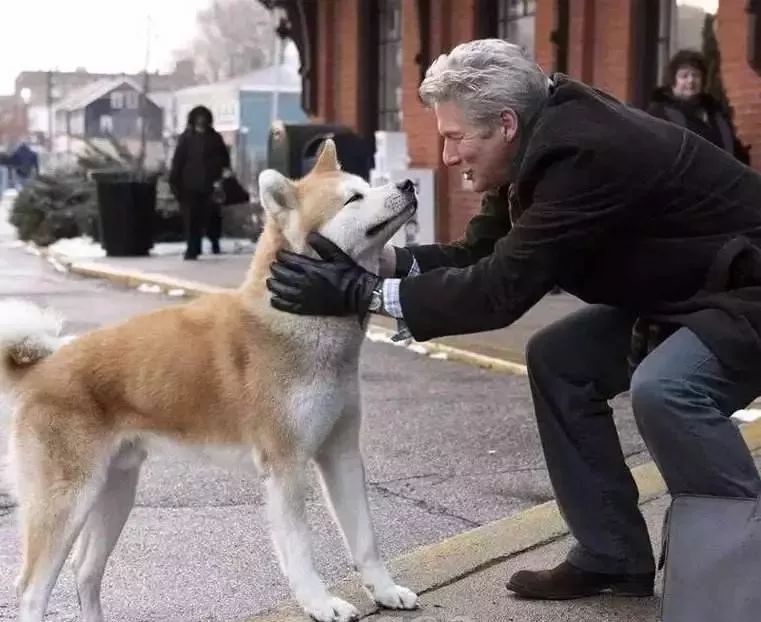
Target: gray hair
{"type": "Point", "coordinates": [484, 78]}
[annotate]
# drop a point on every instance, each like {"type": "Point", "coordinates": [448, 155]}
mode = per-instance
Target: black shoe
{"type": "Point", "coordinates": [566, 582]}
{"type": "Point", "coordinates": [190, 256]}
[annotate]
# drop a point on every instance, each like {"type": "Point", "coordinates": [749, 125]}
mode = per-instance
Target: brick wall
{"type": "Point", "coordinates": [742, 84]}
{"type": "Point", "coordinates": [326, 62]}
{"type": "Point", "coordinates": [345, 52]}
{"type": "Point", "coordinates": [544, 50]}
{"type": "Point", "coordinates": [600, 44]}
{"type": "Point", "coordinates": [613, 45]}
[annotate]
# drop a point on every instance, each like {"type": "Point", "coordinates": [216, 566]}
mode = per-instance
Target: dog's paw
{"type": "Point", "coordinates": [396, 597]}
{"type": "Point", "coordinates": [332, 609]}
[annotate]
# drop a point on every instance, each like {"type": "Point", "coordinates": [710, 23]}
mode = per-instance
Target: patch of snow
{"type": "Point", "coordinates": [78, 248]}
{"type": "Point", "coordinates": [378, 337]}
{"type": "Point", "coordinates": [57, 264]}
{"type": "Point", "coordinates": [86, 248]}
{"type": "Point", "coordinates": [179, 292]}
{"type": "Point", "coordinates": [747, 416]}
{"type": "Point", "coordinates": [439, 356]}
{"type": "Point", "coordinates": [147, 288]}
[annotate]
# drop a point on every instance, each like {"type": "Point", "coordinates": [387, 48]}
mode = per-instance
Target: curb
{"type": "Point", "coordinates": [167, 284]}
{"type": "Point", "coordinates": [437, 565]}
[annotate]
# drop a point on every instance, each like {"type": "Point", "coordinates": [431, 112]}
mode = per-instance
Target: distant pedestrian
{"type": "Point", "coordinates": [200, 161]}
{"type": "Point", "coordinates": [24, 163]}
{"type": "Point", "coordinates": [684, 101]}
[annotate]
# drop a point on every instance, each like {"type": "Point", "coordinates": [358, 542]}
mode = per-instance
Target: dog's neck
{"type": "Point", "coordinates": [269, 243]}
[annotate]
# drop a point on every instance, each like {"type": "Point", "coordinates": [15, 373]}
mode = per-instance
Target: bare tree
{"type": "Point", "coordinates": [234, 37]}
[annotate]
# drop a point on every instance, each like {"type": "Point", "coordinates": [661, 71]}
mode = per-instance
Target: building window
{"type": "Point", "coordinates": [77, 123]}
{"type": "Point", "coordinates": [132, 100]}
{"type": "Point", "coordinates": [390, 65]}
{"type": "Point", "coordinates": [106, 124]}
{"type": "Point", "coordinates": [516, 23]}
{"type": "Point", "coordinates": [117, 100]}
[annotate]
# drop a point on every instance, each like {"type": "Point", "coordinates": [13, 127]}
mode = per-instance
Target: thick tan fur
{"type": "Point", "coordinates": [224, 370]}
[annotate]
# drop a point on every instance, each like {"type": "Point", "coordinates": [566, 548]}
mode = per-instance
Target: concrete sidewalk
{"type": "Point", "coordinates": [500, 348]}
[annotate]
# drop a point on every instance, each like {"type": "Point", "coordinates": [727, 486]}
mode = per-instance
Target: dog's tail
{"type": "Point", "coordinates": [28, 333]}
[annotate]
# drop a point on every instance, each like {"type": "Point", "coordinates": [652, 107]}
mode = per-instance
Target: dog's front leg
{"type": "Point", "coordinates": [286, 492]}
{"type": "Point", "coordinates": [343, 477]}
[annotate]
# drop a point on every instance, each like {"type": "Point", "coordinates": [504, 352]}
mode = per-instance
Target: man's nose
{"type": "Point", "coordinates": [406, 186]}
{"type": "Point", "coordinates": [450, 157]}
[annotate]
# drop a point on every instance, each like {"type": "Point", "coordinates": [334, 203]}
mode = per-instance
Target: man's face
{"type": "Point", "coordinates": [688, 82]}
{"type": "Point", "coordinates": [483, 153]}
{"type": "Point", "coordinates": [200, 124]}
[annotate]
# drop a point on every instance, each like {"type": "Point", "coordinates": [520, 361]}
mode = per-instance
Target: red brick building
{"type": "Point", "coordinates": [362, 61]}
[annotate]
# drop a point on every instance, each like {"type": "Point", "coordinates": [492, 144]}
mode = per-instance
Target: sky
{"type": "Point", "coordinates": [103, 35]}
{"type": "Point", "coordinates": [707, 5]}
{"type": "Point", "coordinates": [99, 35]}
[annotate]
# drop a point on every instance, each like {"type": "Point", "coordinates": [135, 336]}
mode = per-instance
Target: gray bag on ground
{"type": "Point", "coordinates": [712, 558]}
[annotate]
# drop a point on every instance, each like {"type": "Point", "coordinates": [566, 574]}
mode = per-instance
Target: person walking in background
{"type": "Point", "coordinates": [200, 161]}
{"type": "Point", "coordinates": [684, 102]}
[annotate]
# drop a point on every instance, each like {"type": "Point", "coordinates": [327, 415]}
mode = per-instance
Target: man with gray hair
{"type": "Point", "coordinates": [655, 227]}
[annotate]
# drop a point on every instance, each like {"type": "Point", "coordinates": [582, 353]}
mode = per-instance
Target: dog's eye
{"type": "Point", "coordinates": [355, 197]}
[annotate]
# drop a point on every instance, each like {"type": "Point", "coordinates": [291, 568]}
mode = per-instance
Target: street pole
{"type": "Point", "coordinates": [143, 96]}
{"type": "Point", "coordinates": [49, 99]}
{"type": "Point", "coordinates": [277, 57]}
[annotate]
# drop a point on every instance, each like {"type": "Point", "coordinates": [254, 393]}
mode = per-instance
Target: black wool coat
{"type": "Point", "coordinates": [198, 162]}
{"type": "Point", "coordinates": [616, 207]}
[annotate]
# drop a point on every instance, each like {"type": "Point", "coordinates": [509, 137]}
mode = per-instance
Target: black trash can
{"type": "Point", "coordinates": [292, 148]}
{"type": "Point", "coordinates": [127, 209]}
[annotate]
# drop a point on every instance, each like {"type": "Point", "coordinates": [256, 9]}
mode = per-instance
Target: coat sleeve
{"type": "Point", "coordinates": [577, 199]}
{"type": "Point", "coordinates": [656, 109]}
{"type": "Point", "coordinates": [489, 225]}
{"type": "Point", "coordinates": [224, 152]}
{"type": "Point", "coordinates": [178, 163]}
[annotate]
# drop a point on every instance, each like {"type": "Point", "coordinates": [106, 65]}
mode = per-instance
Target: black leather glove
{"type": "Point", "coordinates": [334, 286]}
{"type": "Point", "coordinates": [403, 261]}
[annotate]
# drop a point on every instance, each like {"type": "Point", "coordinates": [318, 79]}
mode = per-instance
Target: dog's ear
{"type": "Point", "coordinates": [328, 160]}
{"type": "Point", "coordinates": [277, 193]}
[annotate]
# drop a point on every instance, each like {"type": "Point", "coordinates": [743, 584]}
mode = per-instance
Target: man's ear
{"type": "Point", "coordinates": [277, 194]}
{"type": "Point", "coordinates": [509, 125]}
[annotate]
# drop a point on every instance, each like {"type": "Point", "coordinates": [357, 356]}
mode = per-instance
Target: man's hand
{"type": "Point", "coordinates": [334, 286]}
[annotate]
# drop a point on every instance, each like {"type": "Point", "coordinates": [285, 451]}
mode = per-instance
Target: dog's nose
{"type": "Point", "coordinates": [406, 186]}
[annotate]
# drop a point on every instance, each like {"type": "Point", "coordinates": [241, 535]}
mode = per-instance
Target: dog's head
{"type": "Point", "coordinates": [358, 218]}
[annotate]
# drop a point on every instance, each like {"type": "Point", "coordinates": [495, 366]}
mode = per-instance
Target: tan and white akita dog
{"type": "Point", "coordinates": [224, 372]}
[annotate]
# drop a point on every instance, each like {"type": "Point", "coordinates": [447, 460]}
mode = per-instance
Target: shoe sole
{"type": "Point", "coordinates": [626, 591]}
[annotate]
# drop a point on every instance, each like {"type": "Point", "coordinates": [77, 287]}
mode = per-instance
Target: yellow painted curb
{"type": "Point", "coordinates": [135, 278]}
{"type": "Point", "coordinates": [458, 354]}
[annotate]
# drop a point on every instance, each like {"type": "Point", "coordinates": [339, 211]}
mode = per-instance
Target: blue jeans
{"type": "Point", "coordinates": [682, 398]}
